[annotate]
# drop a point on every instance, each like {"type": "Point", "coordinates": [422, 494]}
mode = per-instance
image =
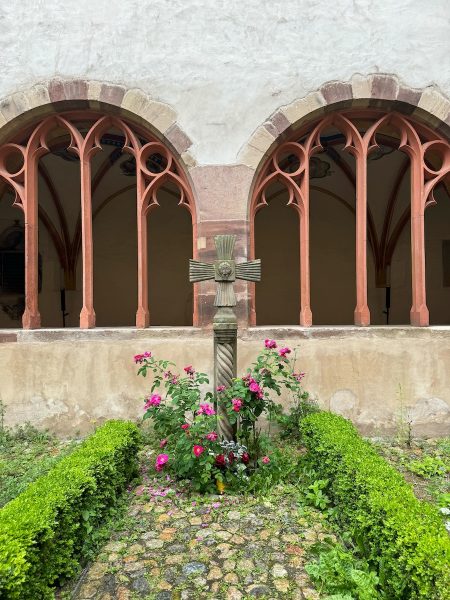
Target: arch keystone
{"type": "Point", "coordinates": [94, 90]}
{"type": "Point", "coordinates": [361, 86]}
{"type": "Point", "coordinates": [384, 87]}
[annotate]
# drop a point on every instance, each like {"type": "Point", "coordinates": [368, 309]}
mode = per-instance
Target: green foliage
{"type": "Point", "coordinates": [25, 455]}
{"type": "Point", "coordinates": [285, 467]}
{"type": "Point", "coordinates": [250, 397]}
{"type": "Point", "coordinates": [185, 418]}
{"type": "Point", "coordinates": [315, 495]}
{"type": "Point", "coordinates": [401, 537]}
{"type": "Point", "coordinates": [289, 423]}
{"type": "Point", "coordinates": [48, 529]}
{"type": "Point", "coordinates": [429, 466]}
{"type": "Point", "coordinates": [338, 572]}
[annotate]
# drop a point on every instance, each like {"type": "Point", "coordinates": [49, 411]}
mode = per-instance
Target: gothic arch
{"type": "Point", "coordinates": [27, 132]}
{"type": "Point", "coordinates": [302, 139]}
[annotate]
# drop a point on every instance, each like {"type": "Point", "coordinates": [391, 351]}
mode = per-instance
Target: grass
{"type": "Point", "coordinates": [25, 455]}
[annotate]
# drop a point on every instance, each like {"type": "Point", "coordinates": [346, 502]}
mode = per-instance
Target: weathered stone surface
{"type": "Point", "coordinates": [250, 156]}
{"type": "Point", "coordinates": [163, 116]}
{"type": "Point", "coordinates": [210, 181]}
{"type": "Point", "coordinates": [336, 91]}
{"type": "Point", "coordinates": [435, 103]}
{"type": "Point", "coordinates": [110, 94]}
{"type": "Point", "coordinates": [298, 109]}
{"type": "Point", "coordinates": [37, 96]}
{"type": "Point", "coordinates": [278, 571]}
{"type": "Point", "coordinates": [384, 87]}
{"type": "Point", "coordinates": [178, 138]}
{"type": "Point", "coordinates": [261, 139]}
{"type": "Point", "coordinates": [358, 353]}
{"type": "Point", "coordinates": [361, 86]}
{"type": "Point", "coordinates": [258, 591]}
{"type": "Point", "coordinates": [279, 122]}
{"type": "Point", "coordinates": [194, 568]}
{"type": "Point", "coordinates": [154, 544]}
{"type": "Point", "coordinates": [14, 106]}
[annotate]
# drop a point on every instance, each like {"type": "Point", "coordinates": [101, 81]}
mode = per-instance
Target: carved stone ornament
{"type": "Point", "coordinates": [224, 271]}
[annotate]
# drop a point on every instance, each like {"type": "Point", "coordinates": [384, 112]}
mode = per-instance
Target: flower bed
{"type": "Point", "coordinates": [47, 529]}
{"type": "Point", "coordinates": [187, 422]}
{"type": "Point", "coordinates": [401, 536]}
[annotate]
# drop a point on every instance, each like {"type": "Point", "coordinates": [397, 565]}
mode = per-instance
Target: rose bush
{"type": "Point", "coordinates": [185, 419]}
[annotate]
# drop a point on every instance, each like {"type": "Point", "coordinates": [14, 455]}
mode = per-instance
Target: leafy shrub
{"type": "Point", "coordinates": [429, 466]}
{"type": "Point", "coordinates": [338, 572]}
{"type": "Point", "coordinates": [402, 538]}
{"type": "Point", "coordinates": [47, 529]}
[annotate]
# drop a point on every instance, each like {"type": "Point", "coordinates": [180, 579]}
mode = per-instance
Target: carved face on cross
{"type": "Point", "coordinates": [224, 270]}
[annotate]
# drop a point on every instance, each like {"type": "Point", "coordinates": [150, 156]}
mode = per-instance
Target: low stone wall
{"type": "Point", "coordinates": [380, 377]}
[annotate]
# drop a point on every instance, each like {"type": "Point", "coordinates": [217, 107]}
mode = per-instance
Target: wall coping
{"type": "Point", "coordinates": [111, 334]}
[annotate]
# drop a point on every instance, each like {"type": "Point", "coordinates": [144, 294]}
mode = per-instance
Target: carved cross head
{"type": "Point", "coordinates": [224, 270]}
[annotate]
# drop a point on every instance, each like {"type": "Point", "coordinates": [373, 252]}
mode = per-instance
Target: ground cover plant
{"type": "Point", "coordinates": [25, 455]}
{"type": "Point", "coordinates": [426, 465]}
{"type": "Point", "coordinates": [50, 527]}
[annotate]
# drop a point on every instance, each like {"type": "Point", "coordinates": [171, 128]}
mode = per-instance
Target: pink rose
{"type": "Point", "coordinates": [198, 450]}
{"type": "Point", "coordinates": [206, 409]}
{"type": "Point", "coordinates": [154, 400]}
{"type": "Point", "coordinates": [270, 343]}
{"type": "Point", "coordinates": [254, 387]}
{"type": "Point", "coordinates": [189, 370]}
{"type": "Point", "coordinates": [139, 358]}
{"type": "Point", "coordinates": [162, 443]}
{"type": "Point", "coordinates": [284, 351]}
{"type": "Point", "coordinates": [237, 404]}
{"type": "Point", "coordinates": [266, 460]}
{"type": "Point", "coordinates": [212, 437]}
{"type": "Point", "coordinates": [185, 426]}
{"type": "Point", "coordinates": [220, 388]}
{"type": "Point", "coordinates": [161, 460]}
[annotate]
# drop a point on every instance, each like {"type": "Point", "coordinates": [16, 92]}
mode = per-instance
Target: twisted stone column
{"type": "Point", "coordinates": [225, 342]}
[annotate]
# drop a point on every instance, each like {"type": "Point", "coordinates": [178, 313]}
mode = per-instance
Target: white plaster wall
{"type": "Point", "coordinates": [224, 65]}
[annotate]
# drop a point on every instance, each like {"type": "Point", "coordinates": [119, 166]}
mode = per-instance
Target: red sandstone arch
{"type": "Point", "coordinates": [30, 144]}
{"type": "Point", "coordinates": [416, 140]}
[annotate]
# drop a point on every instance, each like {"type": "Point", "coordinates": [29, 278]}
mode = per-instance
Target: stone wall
{"type": "Point", "coordinates": [71, 380]}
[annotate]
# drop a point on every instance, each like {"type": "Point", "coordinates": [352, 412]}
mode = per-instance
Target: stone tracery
{"type": "Point", "coordinates": [84, 144]}
{"type": "Point", "coordinates": [417, 141]}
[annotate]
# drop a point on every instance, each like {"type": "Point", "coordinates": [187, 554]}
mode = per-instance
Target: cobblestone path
{"type": "Point", "coordinates": [175, 547]}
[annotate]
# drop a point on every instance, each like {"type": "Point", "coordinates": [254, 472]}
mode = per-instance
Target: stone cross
{"type": "Point", "coordinates": [224, 271]}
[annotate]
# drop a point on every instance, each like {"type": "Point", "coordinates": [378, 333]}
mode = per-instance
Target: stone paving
{"type": "Point", "coordinates": [176, 546]}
